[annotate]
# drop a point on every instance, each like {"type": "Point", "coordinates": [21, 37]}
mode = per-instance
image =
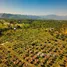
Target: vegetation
{"type": "Point", "coordinates": [33, 43]}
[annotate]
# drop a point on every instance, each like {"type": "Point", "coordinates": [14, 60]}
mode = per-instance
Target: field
{"type": "Point", "coordinates": [33, 43]}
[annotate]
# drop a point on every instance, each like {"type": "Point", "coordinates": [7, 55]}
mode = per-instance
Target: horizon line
{"type": "Point", "coordinates": [30, 14]}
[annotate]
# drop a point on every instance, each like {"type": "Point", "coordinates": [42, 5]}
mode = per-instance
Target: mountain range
{"type": "Point", "coordinates": [45, 17]}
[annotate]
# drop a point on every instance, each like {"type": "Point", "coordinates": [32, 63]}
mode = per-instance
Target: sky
{"type": "Point", "coordinates": [34, 7]}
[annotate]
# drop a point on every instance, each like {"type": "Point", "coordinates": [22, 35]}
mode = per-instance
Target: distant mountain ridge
{"type": "Point", "coordinates": [18, 16]}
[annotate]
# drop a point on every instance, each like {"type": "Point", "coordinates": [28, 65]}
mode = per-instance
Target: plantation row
{"type": "Point", "coordinates": [8, 59]}
{"type": "Point", "coordinates": [33, 43]}
{"type": "Point", "coordinates": [47, 54]}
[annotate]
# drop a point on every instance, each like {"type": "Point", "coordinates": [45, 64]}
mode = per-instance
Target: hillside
{"type": "Point", "coordinates": [40, 43]}
{"type": "Point", "coordinates": [18, 16]}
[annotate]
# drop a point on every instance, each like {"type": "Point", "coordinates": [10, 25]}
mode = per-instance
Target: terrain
{"type": "Point", "coordinates": [45, 17]}
{"type": "Point", "coordinates": [33, 43]}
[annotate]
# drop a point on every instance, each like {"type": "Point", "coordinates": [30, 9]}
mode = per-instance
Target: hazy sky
{"type": "Point", "coordinates": [34, 7]}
